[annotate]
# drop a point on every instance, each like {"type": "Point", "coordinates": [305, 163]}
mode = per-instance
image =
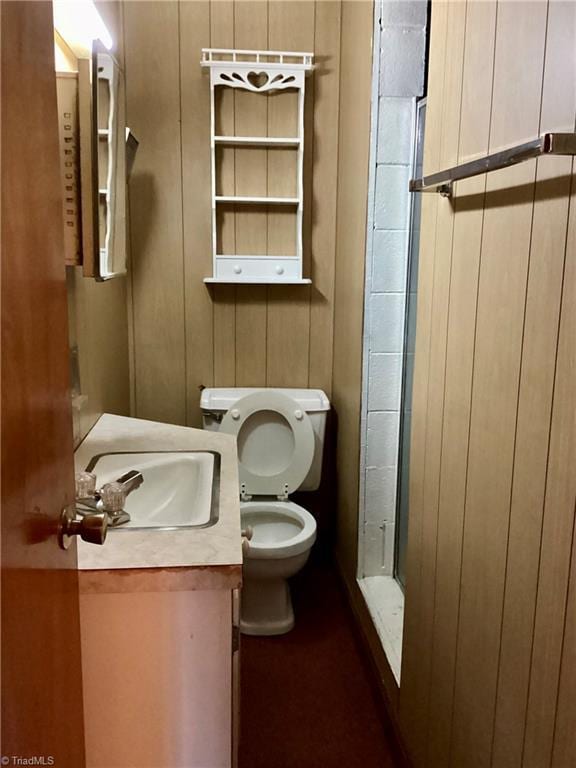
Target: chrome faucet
{"type": "Point", "coordinates": [110, 498]}
{"type": "Point", "coordinates": [131, 481]}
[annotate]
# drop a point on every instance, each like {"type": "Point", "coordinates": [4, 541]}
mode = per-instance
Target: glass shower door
{"type": "Point", "coordinates": [402, 508]}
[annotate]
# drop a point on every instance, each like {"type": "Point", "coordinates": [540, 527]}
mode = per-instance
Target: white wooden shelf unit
{"type": "Point", "coordinates": [259, 72]}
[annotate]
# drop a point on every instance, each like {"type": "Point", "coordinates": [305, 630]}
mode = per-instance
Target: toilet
{"type": "Point", "coordinates": [280, 436]}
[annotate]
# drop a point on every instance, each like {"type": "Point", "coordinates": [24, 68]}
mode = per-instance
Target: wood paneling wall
{"type": "Point", "coordinates": [353, 159]}
{"type": "Point", "coordinates": [489, 661]}
{"type": "Point", "coordinates": [184, 334]}
{"type": "Point", "coordinates": [97, 312]}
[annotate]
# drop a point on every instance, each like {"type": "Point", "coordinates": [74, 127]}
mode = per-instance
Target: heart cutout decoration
{"type": "Point", "coordinates": [257, 79]}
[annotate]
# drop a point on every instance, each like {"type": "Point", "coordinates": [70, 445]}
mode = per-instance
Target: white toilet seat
{"type": "Point", "coordinates": [289, 478]}
{"type": "Point", "coordinates": [280, 528]}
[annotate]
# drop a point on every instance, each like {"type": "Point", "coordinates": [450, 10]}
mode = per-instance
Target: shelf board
{"type": "Point", "coordinates": [238, 256]}
{"type": "Point", "coordinates": [256, 200]}
{"type": "Point", "coordinates": [102, 192]}
{"type": "Point", "coordinates": [258, 280]}
{"type": "Point", "coordinates": [240, 58]}
{"type": "Point", "coordinates": [258, 141]}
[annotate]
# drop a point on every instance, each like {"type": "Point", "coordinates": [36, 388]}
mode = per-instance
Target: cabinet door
{"type": "Point", "coordinates": [167, 657]}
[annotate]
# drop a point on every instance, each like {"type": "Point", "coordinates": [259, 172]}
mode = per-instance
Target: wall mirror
{"type": "Point", "coordinates": [105, 165]}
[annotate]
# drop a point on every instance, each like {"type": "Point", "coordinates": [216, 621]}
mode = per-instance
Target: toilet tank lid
{"type": "Point", "coordinates": [222, 398]}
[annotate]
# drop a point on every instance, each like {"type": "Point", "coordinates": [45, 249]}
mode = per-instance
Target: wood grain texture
{"type": "Point", "coordinates": [412, 705]}
{"type": "Point", "coordinates": [492, 552]}
{"type": "Point", "coordinates": [291, 28]}
{"type": "Point", "coordinates": [556, 543]}
{"type": "Point", "coordinates": [251, 227]}
{"type": "Point", "coordinates": [194, 28]}
{"type": "Point", "coordinates": [564, 740]}
{"type": "Point", "coordinates": [227, 335]}
{"type": "Point", "coordinates": [152, 69]}
{"type": "Point", "coordinates": [41, 665]}
{"type": "Point", "coordinates": [441, 273]}
{"type": "Point", "coordinates": [497, 359]}
{"type": "Point", "coordinates": [224, 296]}
{"type": "Point", "coordinates": [98, 319]}
{"type": "Point", "coordinates": [474, 133]}
{"type": "Point", "coordinates": [353, 156]}
{"type": "Point", "coordinates": [97, 311]}
{"type": "Point", "coordinates": [324, 188]}
{"type": "Point", "coordinates": [541, 321]}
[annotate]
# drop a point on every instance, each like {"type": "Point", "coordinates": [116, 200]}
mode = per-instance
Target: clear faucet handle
{"type": "Point", "coordinates": [85, 485]}
{"type": "Point", "coordinates": [113, 497]}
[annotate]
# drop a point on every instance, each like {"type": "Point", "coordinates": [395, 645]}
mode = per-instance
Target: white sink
{"type": "Point", "coordinates": [178, 489]}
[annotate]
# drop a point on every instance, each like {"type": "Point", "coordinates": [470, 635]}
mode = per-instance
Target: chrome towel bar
{"type": "Point", "coordinates": [547, 144]}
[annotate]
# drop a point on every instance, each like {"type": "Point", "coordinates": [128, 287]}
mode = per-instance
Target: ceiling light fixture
{"type": "Point", "coordinates": [79, 23]}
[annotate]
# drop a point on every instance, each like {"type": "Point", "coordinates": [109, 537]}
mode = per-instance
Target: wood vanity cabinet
{"type": "Point", "coordinates": [160, 667]}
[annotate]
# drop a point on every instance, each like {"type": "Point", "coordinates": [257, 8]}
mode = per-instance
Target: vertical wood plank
{"type": "Point", "coordinates": [353, 157]}
{"type": "Point", "coordinates": [326, 75]}
{"type": "Point", "coordinates": [564, 747]}
{"type": "Point", "coordinates": [502, 293]}
{"type": "Point", "coordinates": [224, 296]}
{"type": "Point", "coordinates": [412, 705]}
{"type": "Point", "coordinates": [449, 139]}
{"type": "Point", "coordinates": [474, 137]}
{"type": "Point", "coordinates": [153, 77]}
{"type": "Point", "coordinates": [476, 88]}
{"type": "Point", "coordinates": [291, 28]}
{"type": "Point", "coordinates": [251, 31]}
{"type": "Point", "coordinates": [539, 348]}
{"type": "Point", "coordinates": [194, 33]}
{"type": "Point", "coordinates": [556, 545]}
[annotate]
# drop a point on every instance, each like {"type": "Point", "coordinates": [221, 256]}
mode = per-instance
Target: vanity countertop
{"type": "Point", "coordinates": [157, 560]}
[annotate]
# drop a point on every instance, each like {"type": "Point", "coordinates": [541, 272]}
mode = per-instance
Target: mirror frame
{"type": "Point", "coordinates": [89, 163]}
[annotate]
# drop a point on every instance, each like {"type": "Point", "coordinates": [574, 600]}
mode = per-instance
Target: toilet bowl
{"type": "Point", "coordinates": [280, 438]}
{"type": "Point", "coordinates": [282, 536]}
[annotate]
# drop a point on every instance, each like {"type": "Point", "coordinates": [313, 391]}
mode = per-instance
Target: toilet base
{"type": "Point", "coordinates": [266, 607]}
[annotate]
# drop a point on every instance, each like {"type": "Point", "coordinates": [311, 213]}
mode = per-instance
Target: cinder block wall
{"type": "Point", "coordinates": [402, 51]}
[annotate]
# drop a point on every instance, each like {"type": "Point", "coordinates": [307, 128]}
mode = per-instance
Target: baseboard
{"type": "Point", "coordinates": [384, 680]}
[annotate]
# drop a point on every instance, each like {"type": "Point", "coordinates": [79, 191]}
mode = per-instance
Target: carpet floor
{"type": "Point", "coordinates": [307, 700]}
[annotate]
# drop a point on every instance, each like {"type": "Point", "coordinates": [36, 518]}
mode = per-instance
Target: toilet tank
{"type": "Point", "coordinates": [214, 403]}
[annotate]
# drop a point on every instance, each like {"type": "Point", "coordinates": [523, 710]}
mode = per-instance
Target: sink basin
{"type": "Point", "coordinates": [180, 489]}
